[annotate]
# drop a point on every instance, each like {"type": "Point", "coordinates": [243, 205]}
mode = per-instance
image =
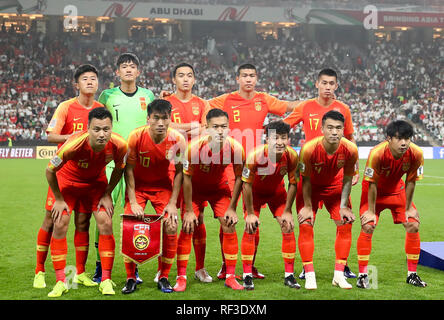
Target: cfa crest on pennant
{"type": "Point", "coordinates": [141, 240]}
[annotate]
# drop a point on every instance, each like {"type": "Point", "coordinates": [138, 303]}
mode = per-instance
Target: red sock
{"type": "Point", "coordinates": [342, 245]}
{"type": "Point", "coordinates": [306, 246]}
{"type": "Point", "coordinates": [288, 251]}
{"type": "Point", "coordinates": [43, 242]}
{"type": "Point", "coordinates": [412, 250]}
{"type": "Point", "coordinates": [81, 243]}
{"type": "Point", "coordinates": [183, 252]}
{"type": "Point", "coordinates": [107, 246]}
{"type": "Point", "coordinates": [59, 249]}
{"type": "Point", "coordinates": [247, 251]}
{"type": "Point", "coordinates": [169, 249]}
{"type": "Point", "coordinates": [230, 249]}
{"type": "Point", "coordinates": [364, 248]}
{"type": "Point", "coordinates": [200, 244]}
{"type": "Point", "coordinates": [130, 268]}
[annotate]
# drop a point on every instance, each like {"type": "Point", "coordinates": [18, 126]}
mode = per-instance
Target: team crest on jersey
{"type": "Point", "coordinates": [143, 103]}
{"type": "Point", "coordinates": [283, 171]}
{"type": "Point", "coordinates": [195, 108]}
{"type": "Point", "coordinates": [258, 106]}
{"type": "Point", "coordinates": [341, 161]}
{"type": "Point", "coordinates": [406, 166]}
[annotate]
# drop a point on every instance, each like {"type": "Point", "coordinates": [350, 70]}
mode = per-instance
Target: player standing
{"type": "Point", "coordinates": [70, 116]}
{"type": "Point", "coordinates": [127, 104]}
{"type": "Point", "coordinates": [383, 188]}
{"type": "Point", "coordinates": [82, 186]}
{"type": "Point", "coordinates": [310, 113]}
{"type": "Point", "coordinates": [320, 161]}
{"type": "Point", "coordinates": [205, 180]}
{"type": "Point", "coordinates": [247, 110]}
{"type": "Point", "coordinates": [188, 116]}
{"type": "Point", "coordinates": [263, 175]}
{"type": "Point", "coordinates": [151, 150]}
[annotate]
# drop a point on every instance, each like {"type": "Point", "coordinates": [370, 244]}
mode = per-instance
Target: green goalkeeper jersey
{"type": "Point", "coordinates": [129, 111]}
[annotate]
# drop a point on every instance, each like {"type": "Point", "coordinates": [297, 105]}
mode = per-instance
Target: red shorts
{"type": "Point", "coordinates": [276, 202]}
{"type": "Point", "coordinates": [159, 200]}
{"type": "Point", "coordinates": [80, 197]}
{"type": "Point", "coordinates": [329, 196]}
{"type": "Point", "coordinates": [219, 201]}
{"type": "Point", "coordinates": [395, 203]}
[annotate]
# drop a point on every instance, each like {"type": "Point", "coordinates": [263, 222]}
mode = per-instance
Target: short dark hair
{"type": "Point", "coordinates": [328, 72]}
{"type": "Point", "coordinates": [99, 113]}
{"type": "Point", "coordinates": [279, 126]}
{"type": "Point", "coordinates": [333, 114]}
{"type": "Point", "coordinates": [128, 57]}
{"type": "Point", "coordinates": [83, 69]}
{"type": "Point", "coordinates": [180, 65]}
{"type": "Point", "coordinates": [215, 113]}
{"type": "Point", "coordinates": [159, 105]}
{"type": "Point", "coordinates": [400, 129]}
{"type": "Point", "coordinates": [245, 66]}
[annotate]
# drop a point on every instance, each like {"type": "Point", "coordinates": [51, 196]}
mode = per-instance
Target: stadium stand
{"type": "Point", "coordinates": [381, 82]}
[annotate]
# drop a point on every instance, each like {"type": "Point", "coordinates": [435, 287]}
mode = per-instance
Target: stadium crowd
{"type": "Point", "coordinates": [305, 3]}
{"type": "Point", "coordinates": [380, 82]}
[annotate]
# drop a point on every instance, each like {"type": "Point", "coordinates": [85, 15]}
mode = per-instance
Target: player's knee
{"type": "Point", "coordinates": [411, 227]}
{"type": "Point", "coordinates": [60, 227]}
{"type": "Point", "coordinates": [368, 228]}
{"type": "Point", "coordinates": [105, 226]}
{"type": "Point", "coordinates": [82, 226]}
{"type": "Point", "coordinates": [48, 223]}
{"type": "Point", "coordinates": [170, 229]}
{"type": "Point", "coordinates": [286, 228]}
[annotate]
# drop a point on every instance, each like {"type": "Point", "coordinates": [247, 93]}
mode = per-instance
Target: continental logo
{"type": "Point", "coordinates": [45, 152]}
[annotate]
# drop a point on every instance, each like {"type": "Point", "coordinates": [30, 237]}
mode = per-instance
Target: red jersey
{"type": "Point", "coordinates": [264, 174]}
{"type": "Point", "coordinates": [310, 112]}
{"type": "Point", "coordinates": [246, 117]}
{"type": "Point", "coordinates": [70, 116]}
{"type": "Point", "coordinates": [323, 168]}
{"type": "Point", "coordinates": [81, 164]}
{"type": "Point", "coordinates": [386, 171]}
{"type": "Point", "coordinates": [206, 168]}
{"type": "Point", "coordinates": [193, 110]}
{"type": "Point", "coordinates": [151, 161]}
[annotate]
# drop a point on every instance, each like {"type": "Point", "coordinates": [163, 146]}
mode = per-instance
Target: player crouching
{"type": "Point", "coordinates": [83, 187]}
{"type": "Point", "coordinates": [383, 188]}
{"type": "Point", "coordinates": [263, 174]}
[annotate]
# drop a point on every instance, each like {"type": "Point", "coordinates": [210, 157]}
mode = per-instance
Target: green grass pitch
{"type": "Point", "coordinates": [23, 192]}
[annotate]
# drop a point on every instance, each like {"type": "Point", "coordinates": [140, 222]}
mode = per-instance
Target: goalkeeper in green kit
{"type": "Point", "coordinates": [128, 106]}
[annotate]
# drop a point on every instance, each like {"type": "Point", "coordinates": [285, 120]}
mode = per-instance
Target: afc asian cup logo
{"type": "Point", "coordinates": [141, 238]}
